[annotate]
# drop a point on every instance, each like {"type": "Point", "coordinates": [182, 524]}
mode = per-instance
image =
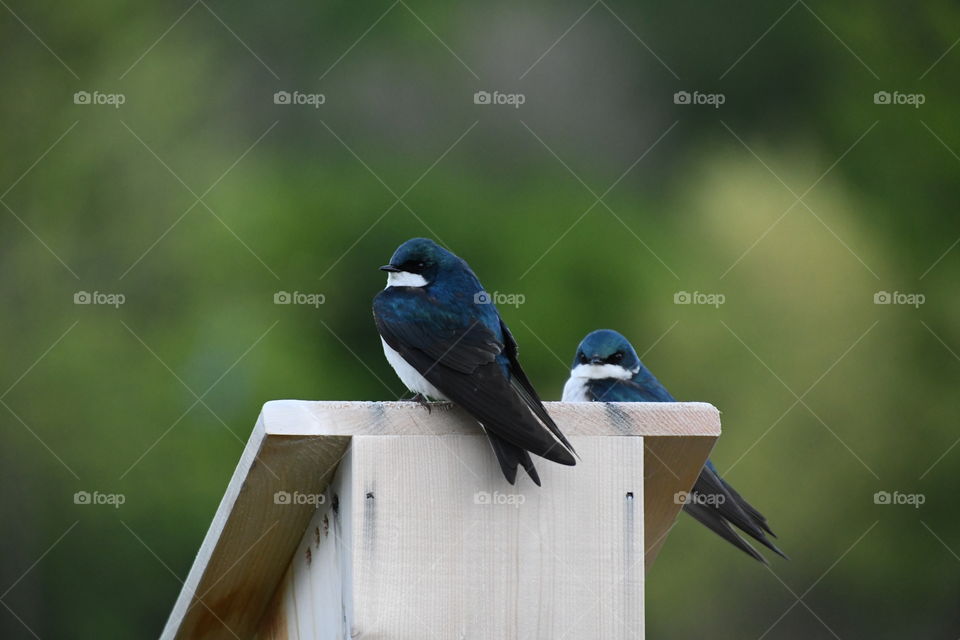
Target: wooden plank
{"type": "Point", "coordinates": [444, 543]}
{"type": "Point", "coordinates": [273, 624]}
{"type": "Point", "coordinates": [304, 418]}
{"type": "Point", "coordinates": [668, 472]}
{"type": "Point", "coordinates": [444, 547]}
{"type": "Point", "coordinates": [317, 611]}
{"type": "Point", "coordinates": [252, 536]}
{"type": "Point", "coordinates": [297, 445]}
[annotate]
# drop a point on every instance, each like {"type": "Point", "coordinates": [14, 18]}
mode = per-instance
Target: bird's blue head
{"type": "Point", "coordinates": [605, 354]}
{"type": "Point", "coordinates": [418, 262]}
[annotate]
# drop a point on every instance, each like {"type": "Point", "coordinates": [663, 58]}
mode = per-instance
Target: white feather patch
{"type": "Point", "coordinates": [410, 376]}
{"type": "Point", "coordinates": [575, 390]}
{"type": "Point", "coordinates": [600, 371]}
{"type": "Point", "coordinates": [405, 279]}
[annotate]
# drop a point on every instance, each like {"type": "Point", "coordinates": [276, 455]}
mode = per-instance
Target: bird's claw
{"type": "Point", "coordinates": [421, 399]}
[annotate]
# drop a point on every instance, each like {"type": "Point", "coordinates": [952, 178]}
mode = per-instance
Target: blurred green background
{"type": "Point", "coordinates": [826, 396]}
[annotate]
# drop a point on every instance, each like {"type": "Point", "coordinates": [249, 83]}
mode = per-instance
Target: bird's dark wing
{"type": "Point", "coordinates": [522, 386]}
{"type": "Point", "coordinates": [415, 320]}
{"type": "Point", "coordinates": [719, 505]}
{"type": "Point", "coordinates": [463, 360]}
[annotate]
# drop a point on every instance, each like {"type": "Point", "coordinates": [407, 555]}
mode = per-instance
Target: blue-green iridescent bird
{"type": "Point", "coordinates": [606, 368]}
{"type": "Point", "coordinates": [443, 336]}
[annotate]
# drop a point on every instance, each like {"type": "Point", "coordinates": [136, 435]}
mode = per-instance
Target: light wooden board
{"type": "Point", "coordinates": [443, 547]}
{"type": "Point", "coordinates": [319, 607]}
{"type": "Point", "coordinates": [296, 446]}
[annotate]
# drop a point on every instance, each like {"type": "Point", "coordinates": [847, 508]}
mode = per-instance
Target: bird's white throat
{"type": "Point", "coordinates": [601, 371]}
{"type": "Point", "coordinates": [405, 279]}
{"type": "Point", "coordinates": [575, 390]}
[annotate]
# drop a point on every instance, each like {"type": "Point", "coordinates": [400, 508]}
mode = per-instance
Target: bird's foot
{"type": "Point", "coordinates": [421, 399]}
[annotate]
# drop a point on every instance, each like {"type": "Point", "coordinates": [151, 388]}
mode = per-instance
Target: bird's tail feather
{"type": "Point", "coordinates": [710, 519]}
{"type": "Point", "coordinates": [755, 515]}
{"type": "Point", "coordinates": [562, 450]}
{"type": "Point", "coordinates": [719, 505]}
{"type": "Point", "coordinates": [510, 457]}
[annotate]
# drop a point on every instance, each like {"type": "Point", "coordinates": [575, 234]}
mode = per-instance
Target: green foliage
{"type": "Point", "coordinates": [112, 406]}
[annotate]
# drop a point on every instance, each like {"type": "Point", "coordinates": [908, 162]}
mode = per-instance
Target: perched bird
{"type": "Point", "coordinates": [606, 368]}
{"type": "Point", "coordinates": [444, 338]}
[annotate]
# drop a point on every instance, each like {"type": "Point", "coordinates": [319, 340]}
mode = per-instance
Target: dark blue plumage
{"type": "Point", "coordinates": [606, 368]}
{"type": "Point", "coordinates": [446, 340]}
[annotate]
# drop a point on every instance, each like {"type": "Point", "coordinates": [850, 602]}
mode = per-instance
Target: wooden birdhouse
{"type": "Point", "coordinates": [383, 520]}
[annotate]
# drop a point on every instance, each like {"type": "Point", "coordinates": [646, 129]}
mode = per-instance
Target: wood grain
{"type": "Point", "coordinates": [443, 547]}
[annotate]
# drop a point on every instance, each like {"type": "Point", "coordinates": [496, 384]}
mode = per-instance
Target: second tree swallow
{"type": "Point", "coordinates": [606, 368]}
{"type": "Point", "coordinates": [445, 340]}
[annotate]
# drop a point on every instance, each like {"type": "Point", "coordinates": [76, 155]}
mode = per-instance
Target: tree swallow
{"type": "Point", "coordinates": [445, 340]}
{"type": "Point", "coordinates": [607, 369]}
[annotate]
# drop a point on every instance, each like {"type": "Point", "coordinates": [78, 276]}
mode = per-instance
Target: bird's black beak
{"type": "Point", "coordinates": [390, 268]}
{"type": "Point", "coordinates": [596, 361]}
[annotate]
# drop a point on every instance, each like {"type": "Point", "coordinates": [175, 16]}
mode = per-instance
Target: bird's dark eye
{"type": "Point", "coordinates": [582, 358]}
{"type": "Point", "coordinates": [615, 358]}
{"type": "Point", "coordinates": [414, 266]}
